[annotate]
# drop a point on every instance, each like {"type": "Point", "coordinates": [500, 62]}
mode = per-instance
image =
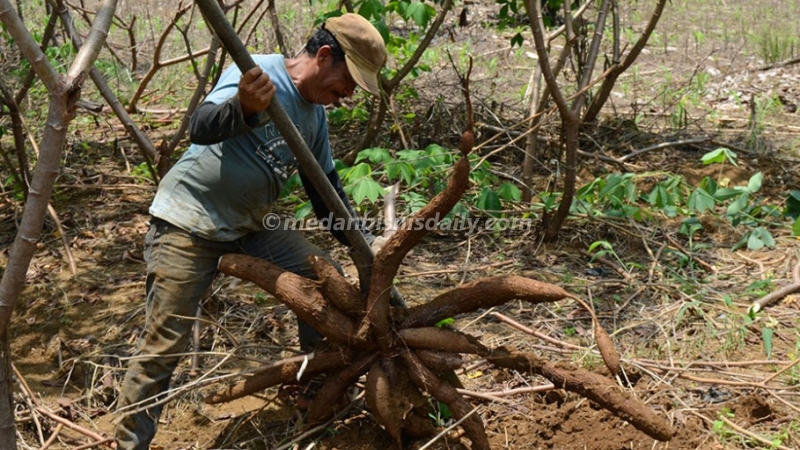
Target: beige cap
{"type": "Point", "coordinates": [364, 50]}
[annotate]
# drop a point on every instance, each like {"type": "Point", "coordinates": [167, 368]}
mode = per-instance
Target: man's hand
{"type": "Point", "coordinates": [256, 91]}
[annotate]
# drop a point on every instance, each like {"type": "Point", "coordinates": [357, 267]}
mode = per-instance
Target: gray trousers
{"type": "Point", "coordinates": [180, 268]}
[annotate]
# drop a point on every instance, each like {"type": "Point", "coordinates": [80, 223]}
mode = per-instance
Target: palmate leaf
{"type": "Point", "coordinates": [766, 336]}
{"type": "Point", "coordinates": [439, 155]}
{"type": "Point", "coordinates": [660, 197]}
{"type": "Point", "coordinates": [727, 193]}
{"type": "Point", "coordinates": [792, 208]}
{"type": "Point", "coordinates": [755, 182]}
{"type": "Point", "coordinates": [755, 239]}
{"type": "Point", "coordinates": [701, 201]}
{"type": "Point", "coordinates": [509, 192]}
{"type": "Point", "coordinates": [371, 9]}
{"type": "Point", "coordinates": [759, 238]}
{"type": "Point", "coordinates": [358, 171]}
{"type": "Point", "coordinates": [489, 201]}
{"type": "Point", "coordinates": [374, 155]}
{"type": "Point", "coordinates": [365, 188]}
{"type": "Point", "coordinates": [360, 185]}
{"type": "Point", "coordinates": [420, 12]}
{"type": "Point", "coordinates": [719, 156]}
{"type": "Point", "coordinates": [611, 183]}
{"type": "Point", "coordinates": [739, 205]}
{"type": "Point", "coordinates": [401, 169]}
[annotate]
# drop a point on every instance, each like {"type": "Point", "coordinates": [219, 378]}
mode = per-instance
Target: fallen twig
{"type": "Point", "coordinates": [484, 396]}
{"type": "Point", "coordinates": [497, 395]}
{"type": "Point", "coordinates": [689, 254]}
{"type": "Point", "coordinates": [784, 369]}
{"type": "Point", "coordinates": [622, 272]}
{"type": "Point", "coordinates": [322, 426]}
{"type": "Point", "coordinates": [64, 239]}
{"type": "Point", "coordinates": [741, 430]}
{"type": "Point", "coordinates": [52, 437]}
{"type": "Point", "coordinates": [464, 269]}
{"type": "Point", "coordinates": [775, 296]}
{"type": "Point", "coordinates": [446, 430]}
{"type": "Point", "coordinates": [784, 402]}
{"type": "Point", "coordinates": [780, 64]}
{"type": "Point", "coordinates": [99, 439]}
{"type": "Point", "coordinates": [664, 145]}
{"type": "Point", "coordinates": [109, 442]}
{"type": "Point", "coordinates": [532, 332]}
{"type": "Point", "coordinates": [713, 381]}
{"type": "Point", "coordinates": [31, 401]}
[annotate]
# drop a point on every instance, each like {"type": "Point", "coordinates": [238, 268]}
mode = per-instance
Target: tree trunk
{"type": "Point", "coordinates": [64, 92]}
{"type": "Point", "coordinates": [7, 430]}
{"type": "Point", "coordinates": [570, 138]}
{"type": "Point", "coordinates": [608, 84]}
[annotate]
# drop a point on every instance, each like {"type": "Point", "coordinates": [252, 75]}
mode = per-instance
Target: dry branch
{"type": "Point", "coordinates": [142, 141]}
{"type": "Point", "coordinates": [775, 296]}
{"type": "Point", "coordinates": [284, 371]}
{"type": "Point", "coordinates": [64, 92]}
{"type": "Point", "coordinates": [777, 65]}
{"type": "Point", "coordinates": [389, 85]}
{"type": "Point", "coordinates": [158, 64]}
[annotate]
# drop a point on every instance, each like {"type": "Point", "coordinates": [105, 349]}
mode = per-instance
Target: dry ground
{"type": "Point", "coordinates": [689, 350]}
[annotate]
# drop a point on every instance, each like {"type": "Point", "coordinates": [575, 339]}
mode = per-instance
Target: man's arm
{"type": "Point", "coordinates": [213, 123]}
{"type": "Point", "coordinates": [321, 210]}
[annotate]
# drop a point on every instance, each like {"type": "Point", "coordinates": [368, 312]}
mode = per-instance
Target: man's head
{"type": "Point", "coordinates": [350, 51]}
{"type": "Point", "coordinates": [364, 50]}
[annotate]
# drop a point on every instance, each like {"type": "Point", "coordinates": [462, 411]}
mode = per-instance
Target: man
{"type": "Point", "coordinates": [214, 199]}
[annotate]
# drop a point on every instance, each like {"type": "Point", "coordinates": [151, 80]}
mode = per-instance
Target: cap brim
{"type": "Point", "coordinates": [363, 77]}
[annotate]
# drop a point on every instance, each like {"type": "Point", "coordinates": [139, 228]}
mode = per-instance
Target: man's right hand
{"type": "Point", "coordinates": [256, 91]}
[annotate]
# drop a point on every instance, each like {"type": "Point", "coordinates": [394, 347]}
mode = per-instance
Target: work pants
{"type": "Point", "coordinates": [180, 269]}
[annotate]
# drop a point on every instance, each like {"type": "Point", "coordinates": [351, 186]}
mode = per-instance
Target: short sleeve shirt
{"type": "Point", "coordinates": [222, 192]}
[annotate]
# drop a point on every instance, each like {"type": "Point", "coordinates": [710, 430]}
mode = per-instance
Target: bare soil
{"type": "Point", "coordinates": [688, 349]}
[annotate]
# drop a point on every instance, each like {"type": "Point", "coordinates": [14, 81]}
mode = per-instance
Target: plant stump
{"type": "Point", "coordinates": [406, 358]}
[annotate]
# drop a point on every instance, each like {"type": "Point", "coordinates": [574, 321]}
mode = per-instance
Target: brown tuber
{"type": "Point", "coordinates": [406, 358]}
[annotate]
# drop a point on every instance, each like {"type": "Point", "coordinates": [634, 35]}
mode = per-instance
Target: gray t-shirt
{"type": "Point", "coordinates": [222, 191]}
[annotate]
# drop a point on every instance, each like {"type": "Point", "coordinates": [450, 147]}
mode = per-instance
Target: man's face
{"type": "Point", "coordinates": [333, 82]}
